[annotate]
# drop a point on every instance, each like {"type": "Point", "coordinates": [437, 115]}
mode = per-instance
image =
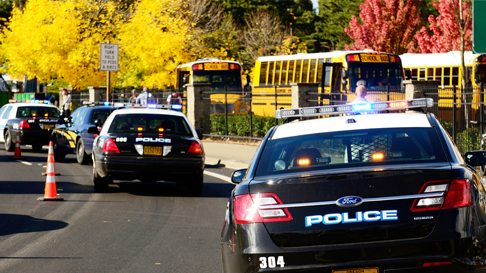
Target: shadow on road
{"type": "Point", "coordinates": [16, 223]}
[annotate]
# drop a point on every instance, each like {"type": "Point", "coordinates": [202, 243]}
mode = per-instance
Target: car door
{"type": "Point", "coordinates": [2, 124]}
{"type": "Point", "coordinates": [3, 120]}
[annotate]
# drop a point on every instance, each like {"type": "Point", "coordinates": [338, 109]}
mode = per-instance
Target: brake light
{"type": "Point", "coordinates": [455, 194]}
{"type": "Point", "coordinates": [195, 149]}
{"type": "Point", "coordinates": [435, 263]}
{"type": "Point", "coordinates": [24, 124]}
{"type": "Point", "coordinates": [251, 209]}
{"type": "Point", "coordinates": [110, 147]}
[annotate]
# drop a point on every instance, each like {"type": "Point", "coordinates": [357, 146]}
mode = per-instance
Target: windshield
{"type": "Point", "coordinates": [149, 123]}
{"type": "Point", "coordinates": [37, 111]}
{"type": "Point", "coordinates": [350, 149]}
{"type": "Point", "coordinates": [220, 80]}
{"type": "Point", "coordinates": [378, 76]}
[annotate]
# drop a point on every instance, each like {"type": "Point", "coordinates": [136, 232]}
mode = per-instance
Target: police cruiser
{"type": "Point", "coordinates": [149, 145]}
{"type": "Point", "coordinates": [375, 192]}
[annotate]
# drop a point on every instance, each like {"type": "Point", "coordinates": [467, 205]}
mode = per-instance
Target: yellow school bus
{"type": "Point", "coordinates": [225, 79]}
{"type": "Point", "coordinates": [336, 73]}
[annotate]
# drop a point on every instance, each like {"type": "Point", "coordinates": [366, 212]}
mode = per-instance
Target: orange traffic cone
{"type": "Point", "coordinates": [50, 158]}
{"type": "Point", "coordinates": [50, 193]}
{"type": "Point", "coordinates": [17, 153]}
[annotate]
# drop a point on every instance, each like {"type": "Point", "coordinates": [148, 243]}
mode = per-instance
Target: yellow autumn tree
{"type": "Point", "coordinates": [153, 42]}
{"type": "Point", "coordinates": [58, 39]}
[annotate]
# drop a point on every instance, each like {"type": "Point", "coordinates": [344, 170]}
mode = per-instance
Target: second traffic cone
{"type": "Point", "coordinates": [50, 193]}
{"type": "Point", "coordinates": [17, 153]}
{"type": "Point", "coordinates": [50, 156]}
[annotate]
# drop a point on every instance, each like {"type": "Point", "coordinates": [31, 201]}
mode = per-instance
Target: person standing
{"type": "Point", "coordinates": [66, 103]}
{"type": "Point", "coordinates": [145, 97]}
{"type": "Point", "coordinates": [133, 98]}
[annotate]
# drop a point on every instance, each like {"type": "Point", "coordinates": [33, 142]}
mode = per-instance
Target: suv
{"type": "Point", "coordinates": [34, 121]}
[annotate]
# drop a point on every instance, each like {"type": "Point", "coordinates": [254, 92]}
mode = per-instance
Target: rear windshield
{"type": "Point", "coordinates": [351, 149]}
{"type": "Point", "coordinates": [150, 123]}
{"type": "Point", "coordinates": [100, 114]}
{"type": "Point", "coordinates": [37, 111]}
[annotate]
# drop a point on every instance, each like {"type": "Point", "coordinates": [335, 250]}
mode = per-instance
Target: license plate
{"type": "Point", "coordinates": [152, 150]}
{"type": "Point", "coordinates": [47, 126]}
{"type": "Point", "coordinates": [357, 270]}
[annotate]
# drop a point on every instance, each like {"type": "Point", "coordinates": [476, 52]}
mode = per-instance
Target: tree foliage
{"type": "Point", "coordinates": [387, 25]}
{"type": "Point", "coordinates": [444, 32]}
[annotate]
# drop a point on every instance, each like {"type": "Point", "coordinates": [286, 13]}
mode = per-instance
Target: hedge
{"type": "Point", "coordinates": [239, 125]}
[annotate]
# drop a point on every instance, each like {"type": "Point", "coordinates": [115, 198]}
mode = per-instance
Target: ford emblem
{"type": "Point", "coordinates": [349, 201]}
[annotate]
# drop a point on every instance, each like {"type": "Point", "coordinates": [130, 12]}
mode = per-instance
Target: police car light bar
{"type": "Point", "coordinates": [29, 101]}
{"type": "Point", "coordinates": [133, 105]}
{"type": "Point", "coordinates": [353, 108]}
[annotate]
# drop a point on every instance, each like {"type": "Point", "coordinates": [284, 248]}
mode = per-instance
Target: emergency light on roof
{"type": "Point", "coordinates": [29, 101]}
{"type": "Point", "coordinates": [354, 108]}
{"type": "Point", "coordinates": [134, 105]}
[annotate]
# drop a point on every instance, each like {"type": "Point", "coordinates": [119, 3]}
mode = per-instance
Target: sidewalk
{"type": "Point", "coordinates": [233, 156]}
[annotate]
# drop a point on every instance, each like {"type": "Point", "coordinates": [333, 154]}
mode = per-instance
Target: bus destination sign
{"type": "Point", "coordinates": [367, 58]}
{"type": "Point", "coordinates": [216, 66]}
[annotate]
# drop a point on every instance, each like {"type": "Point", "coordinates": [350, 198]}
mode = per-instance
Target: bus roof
{"type": "Point", "coordinates": [206, 60]}
{"type": "Point", "coordinates": [319, 55]}
{"type": "Point", "coordinates": [452, 58]}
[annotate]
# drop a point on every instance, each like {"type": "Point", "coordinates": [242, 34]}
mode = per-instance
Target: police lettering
{"type": "Point", "coordinates": [358, 217]}
{"type": "Point", "coordinates": [150, 139]}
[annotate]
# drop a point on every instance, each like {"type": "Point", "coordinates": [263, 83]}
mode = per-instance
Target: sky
{"type": "Point", "coordinates": [316, 4]}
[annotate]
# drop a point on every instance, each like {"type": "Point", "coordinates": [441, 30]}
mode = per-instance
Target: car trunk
{"type": "Point", "coordinates": [314, 223]}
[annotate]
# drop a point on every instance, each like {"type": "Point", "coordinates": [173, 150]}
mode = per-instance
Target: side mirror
{"type": "Point", "coordinates": [237, 176]}
{"type": "Point", "coordinates": [475, 158]}
{"type": "Point", "coordinates": [345, 74]}
{"type": "Point", "coordinates": [185, 80]}
{"type": "Point", "coordinates": [98, 122]}
{"type": "Point", "coordinates": [344, 82]}
{"type": "Point", "coordinates": [93, 130]}
{"type": "Point", "coordinates": [199, 134]}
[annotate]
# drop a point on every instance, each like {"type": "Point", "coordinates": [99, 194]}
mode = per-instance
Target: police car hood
{"type": "Point", "coordinates": [370, 215]}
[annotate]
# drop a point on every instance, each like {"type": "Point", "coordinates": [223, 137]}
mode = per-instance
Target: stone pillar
{"type": "Point", "coordinates": [416, 89]}
{"type": "Point", "coordinates": [97, 93]}
{"type": "Point", "coordinates": [301, 94]}
{"type": "Point", "coordinates": [198, 106]}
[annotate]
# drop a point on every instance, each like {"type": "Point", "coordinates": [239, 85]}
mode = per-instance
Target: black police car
{"type": "Point", "coordinates": [33, 120]}
{"type": "Point", "coordinates": [72, 137]}
{"type": "Point", "coordinates": [149, 145]}
{"type": "Point", "coordinates": [357, 193]}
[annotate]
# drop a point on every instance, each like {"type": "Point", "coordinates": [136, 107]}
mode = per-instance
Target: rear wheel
{"type": "Point", "coordinates": [8, 142]}
{"type": "Point", "coordinates": [100, 183]}
{"type": "Point", "coordinates": [37, 147]}
{"type": "Point", "coordinates": [81, 155]}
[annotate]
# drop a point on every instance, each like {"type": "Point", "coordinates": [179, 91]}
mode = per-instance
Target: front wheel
{"type": "Point", "coordinates": [81, 155]}
{"type": "Point", "coordinates": [8, 142]}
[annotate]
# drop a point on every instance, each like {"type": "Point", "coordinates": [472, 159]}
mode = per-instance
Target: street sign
{"type": "Point", "coordinates": [479, 26]}
{"type": "Point", "coordinates": [109, 57]}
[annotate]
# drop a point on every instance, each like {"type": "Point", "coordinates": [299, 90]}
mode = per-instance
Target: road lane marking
{"type": "Point", "coordinates": [219, 176]}
{"type": "Point", "coordinates": [25, 162]}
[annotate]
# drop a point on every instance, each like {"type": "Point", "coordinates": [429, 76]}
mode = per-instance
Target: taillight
{"type": "Point", "coordinates": [435, 263]}
{"type": "Point", "coordinates": [251, 209]}
{"type": "Point", "coordinates": [24, 124]}
{"type": "Point", "coordinates": [110, 147]}
{"type": "Point", "coordinates": [448, 195]}
{"type": "Point", "coordinates": [194, 149]}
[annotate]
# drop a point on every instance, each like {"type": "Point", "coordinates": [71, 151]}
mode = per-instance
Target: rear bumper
{"type": "Point", "coordinates": [33, 137]}
{"type": "Point", "coordinates": [130, 168]}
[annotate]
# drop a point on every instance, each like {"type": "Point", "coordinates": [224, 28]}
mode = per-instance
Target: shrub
{"type": "Point", "coordinates": [240, 125]}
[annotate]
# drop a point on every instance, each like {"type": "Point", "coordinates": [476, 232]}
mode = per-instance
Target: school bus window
{"type": "Point", "coordinates": [201, 78]}
{"type": "Point", "coordinates": [319, 70]}
{"type": "Point", "coordinates": [455, 75]}
{"type": "Point", "coordinates": [327, 78]}
{"type": "Point", "coordinates": [305, 71]}
{"type": "Point", "coordinates": [430, 74]}
{"type": "Point", "coordinates": [447, 76]}
{"type": "Point", "coordinates": [298, 65]}
{"type": "Point", "coordinates": [291, 72]}
{"type": "Point", "coordinates": [422, 73]}
{"type": "Point", "coordinates": [263, 73]}
{"type": "Point", "coordinates": [278, 72]}
{"type": "Point", "coordinates": [438, 74]}
{"type": "Point", "coordinates": [270, 73]}
{"type": "Point", "coordinates": [312, 71]}
{"type": "Point", "coordinates": [414, 74]}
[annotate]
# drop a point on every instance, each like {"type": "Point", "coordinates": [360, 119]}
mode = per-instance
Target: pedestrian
{"type": "Point", "coordinates": [133, 98]}
{"type": "Point", "coordinates": [360, 94]}
{"type": "Point", "coordinates": [122, 97]}
{"type": "Point", "coordinates": [66, 103]}
{"type": "Point", "coordinates": [174, 98]}
{"type": "Point", "coordinates": [145, 97]}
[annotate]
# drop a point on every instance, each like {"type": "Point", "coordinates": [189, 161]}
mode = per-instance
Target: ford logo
{"type": "Point", "coordinates": [349, 201]}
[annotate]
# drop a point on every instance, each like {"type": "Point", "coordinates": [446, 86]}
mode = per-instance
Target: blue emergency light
{"type": "Point", "coordinates": [362, 107]}
{"type": "Point", "coordinates": [176, 106]}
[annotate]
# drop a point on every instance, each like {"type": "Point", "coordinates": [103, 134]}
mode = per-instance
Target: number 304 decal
{"type": "Point", "coordinates": [271, 262]}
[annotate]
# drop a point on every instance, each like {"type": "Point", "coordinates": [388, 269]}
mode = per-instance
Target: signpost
{"type": "Point", "coordinates": [479, 26]}
{"type": "Point", "coordinates": [108, 62]}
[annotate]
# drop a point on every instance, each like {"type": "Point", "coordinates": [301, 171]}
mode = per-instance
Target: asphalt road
{"type": "Point", "coordinates": [133, 227]}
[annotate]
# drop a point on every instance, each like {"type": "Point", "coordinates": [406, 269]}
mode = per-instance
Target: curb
{"type": "Point", "coordinates": [227, 163]}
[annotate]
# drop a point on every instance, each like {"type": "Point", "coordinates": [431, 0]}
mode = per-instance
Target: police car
{"type": "Point", "coordinates": [148, 145]}
{"type": "Point", "coordinates": [357, 193]}
{"type": "Point", "coordinates": [34, 120]}
{"type": "Point", "coordinates": [72, 137]}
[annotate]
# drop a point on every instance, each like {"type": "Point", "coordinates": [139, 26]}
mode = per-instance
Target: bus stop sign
{"type": "Point", "coordinates": [479, 26]}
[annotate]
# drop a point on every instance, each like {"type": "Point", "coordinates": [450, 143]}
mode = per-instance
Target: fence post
{"type": "Point", "coordinates": [481, 109]}
{"type": "Point", "coordinates": [276, 107]}
{"type": "Point", "coordinates": [454, 108]}
{"type": "Point", "coordinates": [225, 110]}
{"type": "Point", "coordinates": [251, 121]}
{"type": "Point", "coordinates": [387, 93]}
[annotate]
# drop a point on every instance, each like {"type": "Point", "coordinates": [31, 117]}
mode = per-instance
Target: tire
{"type": "Point", "coordinates": [100, 183]}
{"type": "Point", "coordinates": [9, 146]}
{"type": "Point", "coordinates": [37, 147]}
{"type": "Point", "coordinates": [81, 155]}
{"type": "Point", "coordinates": [58, 155]}
{"type": "Point", "coordinates": [191, 185]}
